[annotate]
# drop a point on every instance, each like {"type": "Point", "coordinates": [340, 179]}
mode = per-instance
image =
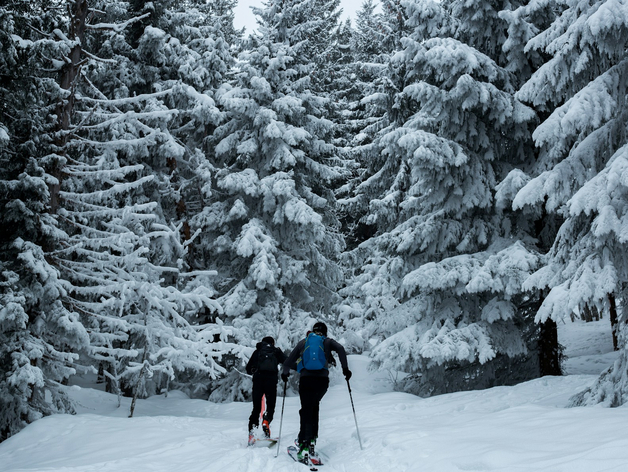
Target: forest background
{"type": "Point", "coordinates": [440, 182]}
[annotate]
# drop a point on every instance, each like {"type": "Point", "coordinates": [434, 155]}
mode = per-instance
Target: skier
{"type": "Point", "coordinates": [313, 381]}
{"type": "Point", "coordinates": [263, 367]}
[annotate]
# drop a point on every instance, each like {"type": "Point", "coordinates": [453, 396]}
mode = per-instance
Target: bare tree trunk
{"type": "Point", "coordinates": [549, 352]}
{"type": "Point", "coordinates": [112, 383]}
{"type": "Point", "coordinates": [590, 313]}
{"type": "Point", "coordinates": [585, 314]}
{"type": "Point", "coordinates": [613, 316]}
{"type": "Point", "coordinates": [140, 378]}
{"type": "Point", "coordinates": [101, 375]}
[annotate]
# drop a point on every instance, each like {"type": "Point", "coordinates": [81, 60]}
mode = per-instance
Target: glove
{"type": "Point", "coordinates": [346, 373]}
{"type": "Point", "coordinates": [284, 377]}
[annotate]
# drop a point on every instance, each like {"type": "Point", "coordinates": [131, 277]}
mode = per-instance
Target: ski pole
{"type": "Point", "coordinates": [285, 384]}
{"type": "Point", "coordinates": [354, 415]}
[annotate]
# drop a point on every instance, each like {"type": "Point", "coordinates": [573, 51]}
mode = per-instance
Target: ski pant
{"type": "Point", "coordinates": [263, 385]}
{"type": "Point", "coordinates": [311, 391]}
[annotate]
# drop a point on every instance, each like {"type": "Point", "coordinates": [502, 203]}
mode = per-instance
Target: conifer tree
{"type": "Point", "coordinates": [577, 177]}
{"type": "Point", "coordinates": [40, 338]}
{"type": "Point", "coordinates": [222, 14]}
{"type": "Point", "coordinates": [168, 80]}
{"type": "Point", "coordinates": [269, 227]}
{"type": "Point", "coordinates": [102, 257]}
{"type": "Point", "coordinates": [524, 22]}
{"type": "Point", "coordinates": [372, 109]}
{"type": "Point", "coordinates": [443, 274]}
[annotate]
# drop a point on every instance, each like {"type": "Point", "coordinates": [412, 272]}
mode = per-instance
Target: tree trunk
{"type": "Point", "coordinates": [101, 375]}
{"type": "Point", "coordinates": [613, 316]}
{"type": "Point", "coordinates": [140, 379]}
{"type": "Point", "coordinates": [141, 375]}
{"type": "Point", "coordinates": [590, 313]}
{"type": "Point", "coordinates": [549, 351]}
{"type": "Point", "coordinates": [67, 79]}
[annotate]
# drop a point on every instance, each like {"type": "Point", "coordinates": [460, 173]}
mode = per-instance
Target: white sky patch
{"type": "Point", "coordinates": [244, 16]}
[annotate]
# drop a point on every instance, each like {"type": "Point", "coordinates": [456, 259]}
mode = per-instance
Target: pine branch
{"type": "Point", "coordinates": [130, 100]}
{"type": "Point", "coordinates": [119, 27]}
{"type": "Point", "coordinates": [99, 59]}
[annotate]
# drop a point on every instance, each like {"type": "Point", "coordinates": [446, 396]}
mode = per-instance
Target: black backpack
{"type": "Point", "coordinates": [267, 361]}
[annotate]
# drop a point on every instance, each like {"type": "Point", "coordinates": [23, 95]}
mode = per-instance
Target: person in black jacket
{"type": "Point", "coordinates": [313, 385]}
{"type": "Point", "coordinates": [263, 367]}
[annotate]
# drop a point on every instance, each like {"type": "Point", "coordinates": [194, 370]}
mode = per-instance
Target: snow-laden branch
{"type": "Point", "coordinates": [128, 100]}
{"type": "Point", "coordinates": [97, 170]}
{"type": "Point", "coordinates": [195, 273]}
{"type": "Point", "coordinates": [99, 59]}
{"type": "Point", "coordinates": [115, 144]}
{"type": "Point", "coordinates": [117, 27]}
{"type": "Point", "coordinates": [114, 190]}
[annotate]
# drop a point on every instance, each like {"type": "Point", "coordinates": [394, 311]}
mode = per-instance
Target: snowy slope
{"type": "Point", "coordinates": [589, 346]}
{"type": "Point", "coordinates": [520, 428]}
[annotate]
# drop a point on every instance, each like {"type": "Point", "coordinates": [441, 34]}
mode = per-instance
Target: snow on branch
{"type": "Point", "coordinates": [114, 190]}
{"type": "Point", "coordinates": [117, 27]}
{"type": "Point", "coordinates": [99, 59]}
{"type": "Point", "coordinates": [128, 100]}
{"type": "Point", "coordinates": [116, 144]}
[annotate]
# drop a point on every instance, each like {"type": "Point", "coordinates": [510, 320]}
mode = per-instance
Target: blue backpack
{"type": "Point", "coordinates": [313, 357]}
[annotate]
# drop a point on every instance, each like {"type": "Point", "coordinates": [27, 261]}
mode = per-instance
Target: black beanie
{"type": "Point", "coordinates": [320, 327]}
{"type": "Point", "coordinates": [268, 340]}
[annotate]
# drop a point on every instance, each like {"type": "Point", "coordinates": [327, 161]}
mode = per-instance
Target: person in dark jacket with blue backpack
{"type": "Point", "coordinates": [263, 367]}
{"type": "Point", "coordinates": [311, 358]}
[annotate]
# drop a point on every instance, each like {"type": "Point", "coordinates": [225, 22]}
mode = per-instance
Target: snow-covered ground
{"type": "Point", "coordinates": [514, 429]}
{"type": "Point", "coordinates": [589, 346]}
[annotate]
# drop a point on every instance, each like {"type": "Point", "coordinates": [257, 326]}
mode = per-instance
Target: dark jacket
{"type": "Point", "coordinates": [329, 345]}
{"type": "Point", "coordinates": [252, 365]}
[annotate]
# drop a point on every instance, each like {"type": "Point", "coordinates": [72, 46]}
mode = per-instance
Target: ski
{"type": "Point", "coordinates": [263, 442]}
{"type": "Point", "coordinates": [292, 452]}
{"type": "Point", "coordinates": [318, 459]}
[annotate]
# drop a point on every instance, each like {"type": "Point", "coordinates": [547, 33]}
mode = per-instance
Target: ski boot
{"type": "Point", "coordinates": [303, 455]}
{"type": "Point", "coordinates": [251, 437]}
{"type": "Point", "coordinates": [266, 428]}
{"type": "Point", "coordinates": [310, 448]}
{"type": "Point", "coordinates": [314, 457]}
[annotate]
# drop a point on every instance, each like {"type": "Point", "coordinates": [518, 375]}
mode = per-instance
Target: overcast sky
{"type": "Point", "coordinates": [244, 16]}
